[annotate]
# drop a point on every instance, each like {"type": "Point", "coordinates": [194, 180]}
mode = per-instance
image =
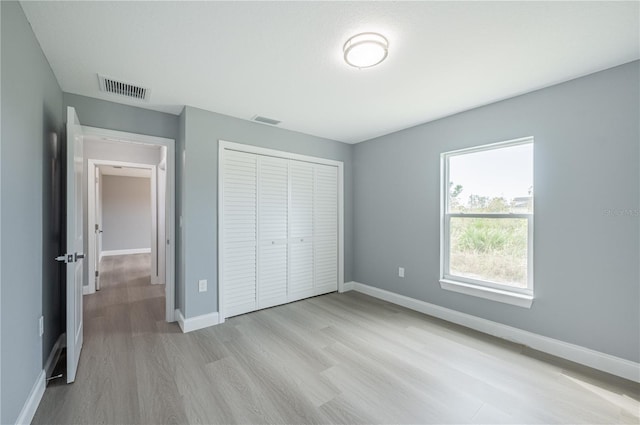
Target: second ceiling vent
{"type": "Point", "coordinates": [121, 88]}
{"type": "Point", "coordinates": [265, 120]}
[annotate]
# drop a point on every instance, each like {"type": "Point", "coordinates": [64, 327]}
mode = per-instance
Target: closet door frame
{"type": "Point", "coordinates": [224, 146]}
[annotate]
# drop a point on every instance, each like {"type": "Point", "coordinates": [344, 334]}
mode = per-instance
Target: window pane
{"type": "Point", "coordinates": [489, 249]}
{"type": "Point", "coordinates": [497, 180]}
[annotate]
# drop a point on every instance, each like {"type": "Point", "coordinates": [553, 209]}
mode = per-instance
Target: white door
{"type": "Point", "coordinates": [162, 223]}
{"type": "Point", "coordinates": [97, 228]}
{"type": "Point", "coordinates": [239, 233]}
{"type": "Point", "coordinates": [273, 196]}
{"type": "Point", "coordinates": [74, 256]}
{"type": "Point", "coordinates": [279, 232]}
{"type": "Point", "coordinates": [325, 228]}
{"type": "Point", "coordinates": [301, 231]}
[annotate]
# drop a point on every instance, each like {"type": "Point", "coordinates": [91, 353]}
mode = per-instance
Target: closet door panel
{"type": "Point", "coordinates": [272, 280]}
{"type": "Point", "coordinates": [301, 230]}
{"type": "Point", "coordinates": [325, 228]}
{"type": "Point", "coordinates": [301, 199]}
{"type": "Point", "coordinates": [240, 242]}
{"type": "Point", "coordinates": [300, 270]}
{"type": "Point", "coordinates": [280, 231]}
{"type": "Point", "coordinates": [273, 229]}
{"type": "Point", "coordinates": [240, 279]}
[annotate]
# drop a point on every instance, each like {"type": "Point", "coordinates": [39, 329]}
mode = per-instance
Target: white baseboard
{"type": "Point", "coordinates": [198, 322]}
{"type": "Point", "coordinates": [125, 252]}
{"type": "Point", "coordinates": [54, 355]}
{"type": "Point", "coordinates": [88, 290]}
{"type": "Point", "coordinates": [31, 404]}
{"type": "Point", "coordinates": [576, 353]}
{"type": "Point", "coordinates": [347, 286]}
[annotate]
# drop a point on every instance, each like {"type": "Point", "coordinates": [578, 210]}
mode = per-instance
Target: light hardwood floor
{"type": "Point", "coordinates": [338, 358]}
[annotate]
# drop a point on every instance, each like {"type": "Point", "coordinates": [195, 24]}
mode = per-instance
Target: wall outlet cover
{"type": "Point", "coordinates": [401, 271]}
{"type": "Point", "coordinates": [202, 285]}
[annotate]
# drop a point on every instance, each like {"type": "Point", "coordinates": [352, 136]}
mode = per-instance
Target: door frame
{"type": "Point", "coordinates": [241, 147]}
{"type": "Point", "coordinates": [170, 216]}
{"type": "Point", "coordinates": [92, 166]}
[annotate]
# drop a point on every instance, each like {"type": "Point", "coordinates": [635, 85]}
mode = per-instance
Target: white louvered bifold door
{"type": "Point", "coordinates": [240, 214]}
{"type": "Point", "coordinates": [301, 230]}
{"type": "Point", "coordinates": [325, 228]}
{"type": "Point", "coordinates": [273, 198]}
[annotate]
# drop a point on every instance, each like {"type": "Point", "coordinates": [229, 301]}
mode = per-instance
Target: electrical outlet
{"type": "Point", "coordinates": [400, 271]}
{"type": "Point", "coordinates": [41, 325]}
{"type": "Point", "coordinates": [202, 285]}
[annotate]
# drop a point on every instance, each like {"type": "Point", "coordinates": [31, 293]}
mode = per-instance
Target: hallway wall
{"type": "Point", "coordinates": [126, 213]}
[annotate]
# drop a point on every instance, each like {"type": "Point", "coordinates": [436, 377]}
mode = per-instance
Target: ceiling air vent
{"type": "Point", "coordinates": [266, 120]}
{"type": "Point", "coordinates": [120, 88]}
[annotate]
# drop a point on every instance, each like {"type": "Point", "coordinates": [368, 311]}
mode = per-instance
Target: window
{"type": "Point", "coordinates": [487, 222]}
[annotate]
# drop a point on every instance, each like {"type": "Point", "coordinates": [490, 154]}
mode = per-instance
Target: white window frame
{"type": "Point", "coordinates": [522, 297]}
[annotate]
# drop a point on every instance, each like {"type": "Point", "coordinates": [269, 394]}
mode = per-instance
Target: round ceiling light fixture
{"type": "Point", "coordinates": [365, 50]}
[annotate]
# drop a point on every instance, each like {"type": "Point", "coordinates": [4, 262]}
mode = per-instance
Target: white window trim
{"type": "Point", "coordinates": [507, 297]}
{"type": "Point", "coordinates": [522, 297]}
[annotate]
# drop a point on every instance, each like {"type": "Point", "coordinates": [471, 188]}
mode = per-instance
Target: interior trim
{"type": "Point", "coordinates": [33, 401]}
{"type": "Point", "coordinates": [199, 322]}
{"type": "Point", "coordinates": [501, 296]}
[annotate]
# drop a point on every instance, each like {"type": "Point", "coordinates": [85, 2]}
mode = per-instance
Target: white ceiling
{"type": "Point", "coordinates": [110, 170]}
{"type": "Point", "coordinates": [283, 60]}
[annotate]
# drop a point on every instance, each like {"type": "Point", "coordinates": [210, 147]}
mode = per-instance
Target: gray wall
{"type": "Point", "coordinates": [199, 188]}
{"type": "Point", "coordinates": [586, 157]}
{"type": "Point", "coordinates": [126, 212]}
{"type": "Point", "coordinates": [115, 116]}
{"type": "Point", "coordinates": [31, 113]}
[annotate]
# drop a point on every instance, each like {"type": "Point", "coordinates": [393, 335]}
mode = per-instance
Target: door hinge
{"type": "Point", "coordinates": [97, 227]}
{"type": "Point", "coordinates": [97, 273]}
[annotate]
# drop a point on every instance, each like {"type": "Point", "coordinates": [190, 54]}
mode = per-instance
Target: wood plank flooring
{"type": "Point", "coordinates": [339, 358]}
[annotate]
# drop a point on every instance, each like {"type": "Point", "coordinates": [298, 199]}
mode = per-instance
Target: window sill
{"type": "Point", "coordinates": [520, 300]}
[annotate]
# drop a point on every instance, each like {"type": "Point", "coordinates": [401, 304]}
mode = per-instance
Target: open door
{"type": "Point", "coordinates": [74, 256]}
{"type": "Point", "coordinates": [97, 212]}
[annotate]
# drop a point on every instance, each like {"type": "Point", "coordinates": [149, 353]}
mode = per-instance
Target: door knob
{"type": "Point", "coordinates": [67, 258]}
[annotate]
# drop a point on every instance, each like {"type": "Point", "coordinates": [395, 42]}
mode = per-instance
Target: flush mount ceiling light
{"type": "Point", "coordinates": [365, 50]}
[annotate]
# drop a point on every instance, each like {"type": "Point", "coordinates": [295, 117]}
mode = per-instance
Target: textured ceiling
{"type": "Point", "coordinates": [283, 60]}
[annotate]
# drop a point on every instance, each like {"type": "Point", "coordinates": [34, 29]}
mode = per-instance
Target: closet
{"type": "Point", "coordinates": [279, 228]}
